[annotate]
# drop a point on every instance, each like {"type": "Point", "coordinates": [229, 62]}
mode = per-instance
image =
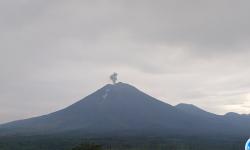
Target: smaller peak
{"type": "Point", "coordinates": [232, 114]}
{"type": "Point", "coordinates": [192, 109]}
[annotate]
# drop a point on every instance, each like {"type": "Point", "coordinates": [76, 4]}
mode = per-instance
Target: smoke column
{"type": "Point", "coordinates": [113, 77]}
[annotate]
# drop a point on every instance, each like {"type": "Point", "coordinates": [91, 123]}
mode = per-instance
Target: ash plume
{"type": "Point", "coordinates": [113, 77]}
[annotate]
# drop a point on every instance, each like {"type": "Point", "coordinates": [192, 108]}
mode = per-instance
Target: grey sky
{"type": "Point", "coordinates": [54, 52]}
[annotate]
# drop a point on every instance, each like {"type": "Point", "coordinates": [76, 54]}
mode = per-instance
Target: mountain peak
{"type": "Point", "coordinates": [122, 109]}
{"type": "Point", "coordinates": [190, 108]}
{"type": "Point", "coordinates": [232, 114]}
{"type": "Point", "coordinates": [119, 86]}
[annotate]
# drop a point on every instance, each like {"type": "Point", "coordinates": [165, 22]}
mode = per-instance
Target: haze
{"type": "Point", "coordinates": [55, 52]}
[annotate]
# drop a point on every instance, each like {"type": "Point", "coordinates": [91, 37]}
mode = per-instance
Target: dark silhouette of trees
{"type": "Point", "coordinates": [88, 146]}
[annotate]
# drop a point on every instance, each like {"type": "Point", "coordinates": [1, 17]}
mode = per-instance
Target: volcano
{"type": "Point", "coordinates": [122, 110]}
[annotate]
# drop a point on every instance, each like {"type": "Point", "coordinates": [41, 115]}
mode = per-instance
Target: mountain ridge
{"type": "Point", "coordinates": [122, 109]}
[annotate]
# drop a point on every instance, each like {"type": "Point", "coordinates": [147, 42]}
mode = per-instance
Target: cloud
{"type": "Point", "coordinates": [186, 51]}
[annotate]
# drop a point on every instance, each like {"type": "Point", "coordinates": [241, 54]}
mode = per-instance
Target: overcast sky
{"type": "Point", "coordinates": [55, 52]}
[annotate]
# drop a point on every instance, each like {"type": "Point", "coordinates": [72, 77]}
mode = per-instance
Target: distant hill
{"type": "Point", "coordinates": [192, 109]}
{"type": "Point", "coordinates": [123, 110]}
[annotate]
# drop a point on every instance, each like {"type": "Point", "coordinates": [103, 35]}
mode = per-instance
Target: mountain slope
{"type": "Point", "coordinates": [236, 123]}
{"type": "Point", "coordinates": [192, 109]}
{"type": "Point", "coordinates": [113, 108]}
{"type": "Point", "coordinates": [121, 109]}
